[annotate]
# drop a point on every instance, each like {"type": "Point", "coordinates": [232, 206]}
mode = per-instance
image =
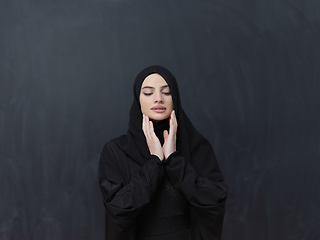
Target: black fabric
{"type": "Point", "coordinates": [159, 127]}
{"type": "Point", "coordinates": [181, 235]}
{"type": "Point", "coordinates": [167, 212]}
{"type": "Point", "coordinates": [129, 177]}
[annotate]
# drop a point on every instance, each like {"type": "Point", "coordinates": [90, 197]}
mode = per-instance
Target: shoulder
{"type": "Point", "coordinates": [112, 155]}
{"type": "Point", "coordinates": [115, 148]}
{"type": "Point", "coordinates": [113, 144]}
{"type": "Point", "coordinates": [113, 161]}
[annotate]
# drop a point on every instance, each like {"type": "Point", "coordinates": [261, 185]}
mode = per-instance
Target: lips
{"type": "Point", "coordinates": [159, 109]}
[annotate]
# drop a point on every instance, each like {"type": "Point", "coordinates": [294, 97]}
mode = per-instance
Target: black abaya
{"type": "Point", "coordinates": [130, 177]}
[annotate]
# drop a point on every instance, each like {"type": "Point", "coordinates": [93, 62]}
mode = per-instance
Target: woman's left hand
{"type": "Point", "coordinates": [170, 138]}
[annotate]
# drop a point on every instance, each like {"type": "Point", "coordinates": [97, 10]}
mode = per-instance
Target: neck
{"type": "Point", "coordinates": [159, 127]}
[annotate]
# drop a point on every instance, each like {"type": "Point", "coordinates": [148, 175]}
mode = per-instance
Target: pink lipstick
{"type": "Point", "coordinates": [158, 109]}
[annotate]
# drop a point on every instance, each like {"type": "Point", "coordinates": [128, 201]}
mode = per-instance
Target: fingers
{"type": "Point", "coordinates": [169, 145]}
{"type": "Point", "coordinates": [165, 134]}
{"type": "Point", "coordinates": [147, 127]}
{"type": "Point", "coordinates": [150, 126]}
{"type": "Point", "coordinates": [173, 123]}
{"type": "Point", "coordinates": [144, 125]}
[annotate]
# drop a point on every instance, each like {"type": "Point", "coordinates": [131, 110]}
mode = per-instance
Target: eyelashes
{"type": "Point", "coordinates": [164, 93]}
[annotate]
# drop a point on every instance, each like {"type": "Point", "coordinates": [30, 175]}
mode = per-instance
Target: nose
{"type": "Point", "coordinates": [158, 97]}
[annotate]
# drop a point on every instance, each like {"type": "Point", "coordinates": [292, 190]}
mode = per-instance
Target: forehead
{"type": "Point", "coordinates": [154, 80]}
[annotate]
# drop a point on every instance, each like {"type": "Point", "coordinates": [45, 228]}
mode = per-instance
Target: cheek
{"type": "Point", "coordinates": [171, 103]}
{"type": "Point", "coordinates": [143, 104]}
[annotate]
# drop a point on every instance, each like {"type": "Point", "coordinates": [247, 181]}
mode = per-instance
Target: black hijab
{"type": "Point", "coordinates": [190, 143]}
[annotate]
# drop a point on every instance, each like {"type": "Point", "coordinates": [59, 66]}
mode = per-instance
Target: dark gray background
{"type": "Point", "coordinates": [248, 72]}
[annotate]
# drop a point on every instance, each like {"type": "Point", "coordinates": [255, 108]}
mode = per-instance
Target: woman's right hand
{"type": "Point", "coordinates": [153, 142]}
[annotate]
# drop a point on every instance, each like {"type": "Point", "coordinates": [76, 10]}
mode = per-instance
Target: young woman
{"type": "Point", "coordinates": [161, 180]}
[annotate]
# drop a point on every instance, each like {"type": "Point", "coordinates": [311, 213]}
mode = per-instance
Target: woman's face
{"type": "Point", "coordinates": [155, 98]}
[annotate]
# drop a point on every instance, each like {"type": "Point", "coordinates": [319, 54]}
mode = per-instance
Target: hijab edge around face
{"type": "Point", "coordinates": [190, 143]}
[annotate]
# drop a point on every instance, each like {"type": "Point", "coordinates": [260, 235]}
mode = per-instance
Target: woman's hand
{"type": "Point", "coordinates": [153, 142]}
{"type": "Point", "coordinates": [170, 138]}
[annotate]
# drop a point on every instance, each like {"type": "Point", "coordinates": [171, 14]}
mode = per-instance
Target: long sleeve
{"type": "Point", "coordinates": [206, 195]}
{"type": "Point", "coordinates": [125, 195]}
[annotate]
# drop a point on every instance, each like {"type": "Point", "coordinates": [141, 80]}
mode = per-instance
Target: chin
{"type": "Point", "coordinates": [159, 117]}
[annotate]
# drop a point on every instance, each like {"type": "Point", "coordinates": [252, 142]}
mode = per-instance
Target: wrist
{"type": "Point", "coordinates": [161, 157]}
{"type": "Point", "coordinates": [158, 160]}
{"type": "Point", "coordinates": [167, 157]}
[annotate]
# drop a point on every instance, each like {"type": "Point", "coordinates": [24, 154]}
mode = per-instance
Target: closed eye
{"type": "Point", "coordinates": [147, 94]}
{"type": "Point", "coordinates": [167, 93]}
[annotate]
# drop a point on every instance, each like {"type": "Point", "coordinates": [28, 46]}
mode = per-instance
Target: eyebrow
{"type": "Point", "coordinates": [154, 88]}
